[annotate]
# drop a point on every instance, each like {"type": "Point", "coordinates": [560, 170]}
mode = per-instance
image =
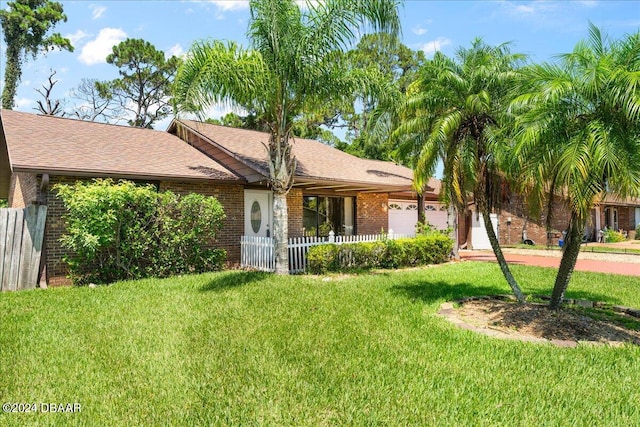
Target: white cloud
{"type": "Point", "coordinates": [228, 5]}
{"type": "Point", "coordinates": [76, 37]}
{"type": "Point", "coordinates": [97, 11]}
{"type": "Point", "coordinates": [418, 30]}
{"type": "Point", "coordinates": [97, 50]}
{"type": "Point", "coordinates": [175, 50]}
{"type": "Point", "coordinates": [432, 46]}
{"type": "Point", "coordinates": [22, 103]}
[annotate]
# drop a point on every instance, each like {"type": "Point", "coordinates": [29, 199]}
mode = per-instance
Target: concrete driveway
{"type": "Point", "coordinates": [625, 264]}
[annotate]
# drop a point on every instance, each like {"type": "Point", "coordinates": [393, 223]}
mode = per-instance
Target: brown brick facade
{"type": "Point", "coordinates": [294, 207]}
{"type": "Point", "coordinates": [536, 228]}
{"type": "Point", "coordinates": [23, 190]}
{"type": "Point", "coordinates": [372, 215]}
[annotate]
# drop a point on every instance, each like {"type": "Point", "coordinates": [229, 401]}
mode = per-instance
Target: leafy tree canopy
{"type": "Point", "coordinates": [26, 25]}
{"type": "Point", "coordinates": [144, 86]}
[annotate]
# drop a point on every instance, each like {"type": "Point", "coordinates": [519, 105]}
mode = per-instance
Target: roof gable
{"type": "Point", "coordinates": [315, 160]}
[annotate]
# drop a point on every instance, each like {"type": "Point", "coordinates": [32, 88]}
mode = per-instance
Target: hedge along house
{"type": "Point", "coordinates": [332, 189]}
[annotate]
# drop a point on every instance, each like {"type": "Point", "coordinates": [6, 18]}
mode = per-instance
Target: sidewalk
{"type": "Point", "coordinates": [628, 265]}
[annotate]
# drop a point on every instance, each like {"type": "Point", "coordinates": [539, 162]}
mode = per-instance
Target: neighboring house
{"type": "Point", "coordinates": [332, 190]}
{"type": "Point", "coordinates": [513, 224]}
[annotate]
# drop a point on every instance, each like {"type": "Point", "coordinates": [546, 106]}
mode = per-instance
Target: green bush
{"type": "Point", "coordinates": [638, 232]}
{"type": "Point", "coordinates": [612, 236]}
{"type": "Point", "coordinates": [430, 249]}
{"type": "Point", "coordinates": [119, 231]}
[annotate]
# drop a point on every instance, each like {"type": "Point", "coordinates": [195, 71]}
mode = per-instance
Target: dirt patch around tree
{"type": "Point", "coordinates": [502, 318]}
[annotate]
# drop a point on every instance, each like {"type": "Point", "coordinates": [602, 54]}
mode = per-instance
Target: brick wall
{"type": "Point", "coordinates": [372, 213]}
{"type": "Point", "coordinates": [23, 190]}
{"type": "Point", "coordinates": [230, 196]}
{"type": "Point", "coordinates": [535, 226]}
{"type": "Point", "coordinates": [294, 205]}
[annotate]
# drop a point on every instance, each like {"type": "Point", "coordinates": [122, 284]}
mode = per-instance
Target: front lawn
{"type": "Point", "coordinates": [239, 348]}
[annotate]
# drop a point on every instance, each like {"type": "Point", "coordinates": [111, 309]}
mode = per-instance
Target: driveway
{"type": "Point", "coordinates": [625, 264]}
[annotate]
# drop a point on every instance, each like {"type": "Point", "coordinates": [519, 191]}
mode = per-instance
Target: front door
{"type": "Point", "coordinates": [258, 210]}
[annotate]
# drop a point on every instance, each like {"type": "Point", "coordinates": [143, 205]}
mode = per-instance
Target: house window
{"type": "Point", "coordinates": [323, 214]}
{"type": "Point", "coordinates": [256, 217]}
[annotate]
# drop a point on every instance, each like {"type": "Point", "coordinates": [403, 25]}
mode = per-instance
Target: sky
{"type": "Point", "coordinates": [541, 29]}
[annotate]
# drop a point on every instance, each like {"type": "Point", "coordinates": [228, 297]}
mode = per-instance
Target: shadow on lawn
{"type": "Point", "coordinates": [433, 291]}
{"type": "Point", "coordinates": [430, 292]}
{"type": "Point", "coordinates": [233, 279]}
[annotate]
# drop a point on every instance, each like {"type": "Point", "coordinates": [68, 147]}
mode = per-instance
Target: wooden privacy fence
{"type": "Point", "coordinates": [259, 252]}
{"type": "Point", "coordinates": [21, 238]}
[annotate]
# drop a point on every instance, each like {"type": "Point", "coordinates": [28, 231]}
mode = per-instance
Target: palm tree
{"type": "Point", "coordinates": [579, 132]}
{"type": "Point", "coordinates": [454, 113]}
{"type": "Point", "coordinates": [294, 61]}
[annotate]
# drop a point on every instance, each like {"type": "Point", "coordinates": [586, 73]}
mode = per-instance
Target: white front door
{"type": "Point", "coordinates": [258, 209]}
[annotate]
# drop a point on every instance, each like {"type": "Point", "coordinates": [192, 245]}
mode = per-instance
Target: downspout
{"type": "Point", "coordinates": [42, 200]}
{"type": "Point", "coordinates": [44, 186]}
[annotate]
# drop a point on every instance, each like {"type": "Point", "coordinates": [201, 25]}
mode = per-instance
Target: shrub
{"type": "Point", "coordinates": [638, 232]}
{"type": "Point", "coordinates": [118, 231]}
{"type": "Point", "coordinates": [322, 258]}
{"type": "Point", "coordinates": [431, 249]}
{"type": "Point", "coordinates": [612, 236]}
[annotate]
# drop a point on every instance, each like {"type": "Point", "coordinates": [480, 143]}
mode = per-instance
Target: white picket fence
{"type": "Point", "coordinates": [258, 253]}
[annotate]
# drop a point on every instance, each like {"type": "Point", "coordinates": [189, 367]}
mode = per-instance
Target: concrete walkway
{"type": "Point", "coordinates": [628, 265]}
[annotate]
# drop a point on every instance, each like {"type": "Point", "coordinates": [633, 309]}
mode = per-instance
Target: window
{"type": "Point", "coordinates": [429, 208]}
{"type": "Point", "coordinates": [323, 214]}
{"type": "Point", "coordinates": [395, 207]}
{"type": "Point", "coordinates": [412, 207]}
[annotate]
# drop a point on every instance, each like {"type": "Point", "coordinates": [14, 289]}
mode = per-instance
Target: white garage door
{"type": "Point", "coordinates": [403, 215]}
{"type": "Point", "coordinates": [479, 238]}
{"type": "Point", "coordinates": [436, 215]}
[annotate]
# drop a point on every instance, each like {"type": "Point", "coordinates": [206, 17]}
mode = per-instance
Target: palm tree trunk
{"type": "Point", "coordinates": [568, 262]}
{"type": "Point", "coordinates": [281, 231]}
{"type": "Point", "coordinates": [452, 221]}
{"type": "Point", "coordinates": [495, 245]}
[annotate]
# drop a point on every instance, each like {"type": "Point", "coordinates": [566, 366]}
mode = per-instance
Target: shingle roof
{"type": "Point", "coordinates": [59, 145]}
{"type": "Point", "coordinates": [315, 159]}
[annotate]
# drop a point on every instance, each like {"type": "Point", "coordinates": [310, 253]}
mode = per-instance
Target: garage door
{"type": "Point", "coordinates": [436, 215]}
{"type": "Point", "coordinates": [479, 238]}
{"type": "Point", "coordinates": [403, 215]}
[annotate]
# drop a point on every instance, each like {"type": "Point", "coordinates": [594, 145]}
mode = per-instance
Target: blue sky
{"type": "Point", "coordinates": [541, 29]}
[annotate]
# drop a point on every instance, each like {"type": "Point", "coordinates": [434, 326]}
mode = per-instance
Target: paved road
{"type": "Point", "coordinates": [630, 267]}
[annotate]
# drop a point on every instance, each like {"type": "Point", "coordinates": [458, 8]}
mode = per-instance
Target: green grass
{"type": "Point", "coordinates": [238, 348]}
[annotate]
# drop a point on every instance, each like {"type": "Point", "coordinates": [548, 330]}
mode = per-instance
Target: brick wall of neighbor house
{"type": "Point", "coordinates": [232, 199]}
{"type": "Point", "coordinates": [294, 207]}
{"type": "Point", "coordinates": [56, 269]}
{"type": "Point", "coordinates": [372, 213]}
{"type": "Point", "coordinates": [625, 218]}
{"type": "Point", "coordinates": [536, 227]}
{"type": "Point", "coordinates": [23, 190]}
